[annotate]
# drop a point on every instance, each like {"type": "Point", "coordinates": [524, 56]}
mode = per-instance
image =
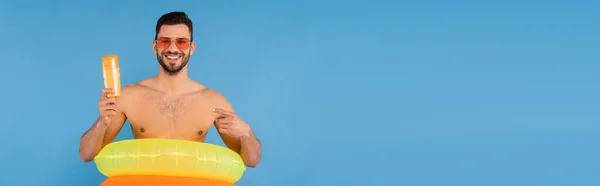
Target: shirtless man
{"type": "Point", "coordinates": [170, 105]}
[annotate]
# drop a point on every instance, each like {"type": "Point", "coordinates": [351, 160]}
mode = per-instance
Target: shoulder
{"type": "Point", "coordinates": [125, 100]}
{"type": "Point", "coordinates": [213, 94]}
{"type": "Point", "coordinates": [217, 99]}
{"type": "Point", "coordinates": [135, 89]}
{"type": "Point", "coordinates": [130, 92]}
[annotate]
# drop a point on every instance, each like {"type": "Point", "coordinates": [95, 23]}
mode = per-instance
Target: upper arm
{"type": "Point", "coordinates": [221, 102]}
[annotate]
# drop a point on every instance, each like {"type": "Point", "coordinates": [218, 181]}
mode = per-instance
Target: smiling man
{"type": "Point", "coordinates": [170, 105]}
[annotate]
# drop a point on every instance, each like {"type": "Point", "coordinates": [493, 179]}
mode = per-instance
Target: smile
{"type": "Point", "coordinates": [173, 57]}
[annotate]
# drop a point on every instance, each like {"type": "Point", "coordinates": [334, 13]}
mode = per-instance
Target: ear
{"type": "Point", "coordinates": [154, 47]}
{"type": "Point", "coordinates": [192, 47]}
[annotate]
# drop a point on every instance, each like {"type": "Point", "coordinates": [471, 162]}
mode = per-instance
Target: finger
{"type": "Point", "coordinates": [105, 106]}
{"type": "Point", "coordinates": [109, 113]}
{"type": "Point", "coordinates": [106, 91]}
{"type": "Point", "coordinates": [223, 112]}
{"type": "Point", "coordinates": [222, 124]}
{"type": "Point", "coordinates": [108, 107]}
{"type": "Point", "coordinates": [225, 118]}
{"type": "Point", "coordinates": [224, 130]}
{"type": "Point", "coordinates": [223, 127]}
{"type": "Point", "coordinates": [109, 101]}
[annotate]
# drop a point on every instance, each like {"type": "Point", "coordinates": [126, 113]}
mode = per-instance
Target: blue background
{"type": "Point", "coordinates": [424, 93]}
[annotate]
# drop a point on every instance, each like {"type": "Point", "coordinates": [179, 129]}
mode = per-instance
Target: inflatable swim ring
{"type": "Point", "coordinates": [160, 181]}
{"type": "Point", "coordinates": [168, 159]}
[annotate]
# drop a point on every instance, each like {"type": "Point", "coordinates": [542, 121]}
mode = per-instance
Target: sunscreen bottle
{"type": "Point", "coordinates": [110, 72]}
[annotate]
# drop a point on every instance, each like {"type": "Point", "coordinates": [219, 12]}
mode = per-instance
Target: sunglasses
{"type": "Point", "coordinates": [165, 42]}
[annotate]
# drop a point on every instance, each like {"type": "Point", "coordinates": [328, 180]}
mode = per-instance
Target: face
{"type": "Point", "coordinates": [173, 47]}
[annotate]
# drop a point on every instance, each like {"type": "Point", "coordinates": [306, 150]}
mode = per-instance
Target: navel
{"type": "Point", "coordinates": [200, 132]}
{"type": "Point", "coordinates": [142, 130]}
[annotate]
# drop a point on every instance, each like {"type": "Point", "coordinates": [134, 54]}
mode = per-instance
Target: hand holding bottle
{"type": "Point", "coordinates": [107, 106]}
{"type": "Point", "coordinates": [112, 87]}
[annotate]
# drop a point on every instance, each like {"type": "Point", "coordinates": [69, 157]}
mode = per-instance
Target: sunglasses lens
{"type": "Point", "coordinates": [164, 43]}
{"type": "Point", "coordinates": [181, 43]}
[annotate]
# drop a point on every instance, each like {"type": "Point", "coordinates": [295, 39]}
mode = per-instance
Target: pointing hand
{"type": "Point", "coordinates": [230, 124]}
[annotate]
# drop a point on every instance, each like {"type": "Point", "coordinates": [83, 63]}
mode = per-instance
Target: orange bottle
{"type": "Point", "coordinates": [111, 74]}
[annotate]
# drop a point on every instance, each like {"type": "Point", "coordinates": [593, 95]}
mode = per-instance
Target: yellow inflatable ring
{"type": "Point", "coordinates": [168, 157]}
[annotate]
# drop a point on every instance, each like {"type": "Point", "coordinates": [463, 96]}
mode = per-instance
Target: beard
{"type": "Point", "coordinates": [172, 69]}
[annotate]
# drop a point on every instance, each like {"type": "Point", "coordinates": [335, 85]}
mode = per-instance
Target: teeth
{"type": "Point", "coordinates": [173, 57]}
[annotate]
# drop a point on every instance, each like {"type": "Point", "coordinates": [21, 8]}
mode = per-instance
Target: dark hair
{"type": "Point", "coordinates": [174, 18]}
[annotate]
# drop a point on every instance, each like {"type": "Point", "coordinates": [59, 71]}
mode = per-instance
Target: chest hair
{"type": "Point", "coordinates": [172, 109]}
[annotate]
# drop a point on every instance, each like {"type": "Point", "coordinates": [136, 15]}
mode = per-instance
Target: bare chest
{"type": "Point", "coordinates": [185, 117]}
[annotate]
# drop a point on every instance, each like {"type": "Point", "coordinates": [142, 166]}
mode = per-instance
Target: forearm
{"type": "Point", "coordinates": [91, 142]}
{"type": "Point", "coordinates": [250, 150]}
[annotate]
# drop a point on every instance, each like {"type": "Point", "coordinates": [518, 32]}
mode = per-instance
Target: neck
{"type": "Point", "coordinates": [172, 83]}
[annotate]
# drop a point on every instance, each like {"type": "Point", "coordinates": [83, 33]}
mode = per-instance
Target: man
{"type": "Point", "coordinates": [170, 105]}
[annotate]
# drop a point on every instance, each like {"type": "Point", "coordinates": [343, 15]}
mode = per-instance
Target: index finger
{"type": "Point", "coordinates": [222, 111]}
{"type": "Point", "coordinates": [107, 91]}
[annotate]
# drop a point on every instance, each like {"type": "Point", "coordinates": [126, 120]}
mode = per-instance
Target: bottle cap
{"type": "Point", "coordinates": [110, 61]}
